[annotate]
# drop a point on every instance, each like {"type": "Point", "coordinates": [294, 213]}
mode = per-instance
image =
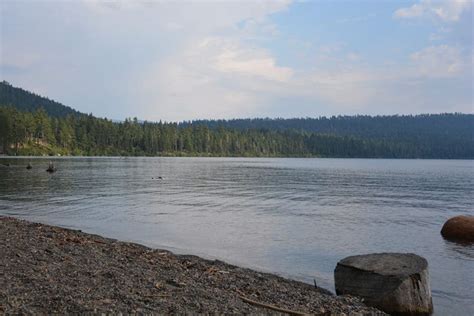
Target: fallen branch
{"type": "Point", "coordinates": [162, 295]}
{"type": "Point", "coordinates": [272, 307]}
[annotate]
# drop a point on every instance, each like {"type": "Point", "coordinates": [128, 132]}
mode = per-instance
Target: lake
{"type": "Point", "coordinates": [293, 217]}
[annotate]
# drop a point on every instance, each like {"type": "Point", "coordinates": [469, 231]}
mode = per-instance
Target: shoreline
{"type": "Point", "coordinates": [231, 157]}
{"type": "Point", "coordinates": [48, 269]}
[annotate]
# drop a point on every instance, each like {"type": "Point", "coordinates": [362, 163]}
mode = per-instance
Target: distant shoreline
{"type": "Point", "coordinates": [236, 157]}
{"type": "Point", "coordinates": [35, 131]}
{"type": "Point", "coordinates": [49, 269]}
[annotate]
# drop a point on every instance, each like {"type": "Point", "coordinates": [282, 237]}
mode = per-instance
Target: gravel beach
{"type": "Point", "coordinates": [49, 270]}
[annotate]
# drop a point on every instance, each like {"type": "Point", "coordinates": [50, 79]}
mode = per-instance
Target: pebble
{"type": "Point", "coordinates": [71, 272]}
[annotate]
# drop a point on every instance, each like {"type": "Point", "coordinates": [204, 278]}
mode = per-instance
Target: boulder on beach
{"type": "Point", "coordinates": [396, 283]}
{"type": "Point", "coordinates": [459, 228]}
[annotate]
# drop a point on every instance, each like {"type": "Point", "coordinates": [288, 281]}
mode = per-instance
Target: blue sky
{"type": "Point", "coordinates": [186, 60]}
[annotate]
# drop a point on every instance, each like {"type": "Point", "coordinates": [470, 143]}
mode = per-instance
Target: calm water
{"type": "Point", "coordinates": [294, 217]}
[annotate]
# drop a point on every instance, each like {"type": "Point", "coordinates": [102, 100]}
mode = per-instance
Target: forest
{"type": "Point", "coordinates": [36, 133]}
{"type": "Point", "coordinates": [33, 125]}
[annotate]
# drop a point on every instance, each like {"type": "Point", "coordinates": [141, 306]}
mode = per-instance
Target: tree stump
{"type": "Point", "coordinates": [396, 283]}
{"type": "Point", "coordinates": [459, 228]}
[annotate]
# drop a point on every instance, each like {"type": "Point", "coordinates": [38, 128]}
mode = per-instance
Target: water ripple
{"type": "Point", "coordinates": [295, 217]}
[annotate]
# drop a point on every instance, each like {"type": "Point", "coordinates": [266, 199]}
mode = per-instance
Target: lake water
{"type": "Point", "coordinates": [294, 217]}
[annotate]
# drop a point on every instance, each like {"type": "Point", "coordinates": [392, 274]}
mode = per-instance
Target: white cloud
{"type": "Point", "coordinates": [231, 58]}
{"type": "Point", "coordinates": [414, 11]}
{"type": "Point", "coordinates": [258, 29]}
{"type": "Point", "coordinates": [221, 78]}
{"type": "Point", "coordinates": [348, 89]}
{"type": "Point", "coordinates": [213, 77]}
{"type": "Point", "coordinates": [440, 61]}
{"type": "Point", "coordinates": [173, 61]}
{"type": "Point", "coordinates": [196, 17]}
{"type": "Point", "coordinates": [445, 10]}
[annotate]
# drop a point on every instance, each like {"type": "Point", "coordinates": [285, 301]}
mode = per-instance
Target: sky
{"type": "Point", "coordinates": [184, 60]}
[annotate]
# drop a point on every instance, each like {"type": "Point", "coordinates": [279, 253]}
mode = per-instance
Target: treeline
{"type": "Point", "coordinates": [36, 133]}
{"type": "Point", "coordinates": [425, 127]}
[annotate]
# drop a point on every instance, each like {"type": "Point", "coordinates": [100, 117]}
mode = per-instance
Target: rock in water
{"type": "Point", "coordinates": [396, 283]}
{"type": "Point", "coordinates": [459, 228]}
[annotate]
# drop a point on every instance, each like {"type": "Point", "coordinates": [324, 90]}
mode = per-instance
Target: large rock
{"type": "Point", "coordinates": [396, 283]}
{"type": "Point", "coordinates": [459, 228]}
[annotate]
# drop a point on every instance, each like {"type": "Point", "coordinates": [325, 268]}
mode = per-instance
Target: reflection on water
{"type": "Point", "coordinates": [295, 217]}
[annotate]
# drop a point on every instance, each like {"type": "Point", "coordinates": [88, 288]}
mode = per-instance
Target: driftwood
{"type": "Point", "coordinates": [275, 308]}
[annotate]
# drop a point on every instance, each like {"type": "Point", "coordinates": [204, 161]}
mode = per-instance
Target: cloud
{"type": "Point", "coordinates": [197, 17]}
{"type": "Point", "coordinates": [258, 29]}
{"type": "Point", "coordinates": [354, 87]}
{"type": "Point", "coordinates": [176, 61]}
{"type": "Point", "coordinates": [440, 61]}
{"type": "Point", "coordinates": [414, 11]}
{"type": "Point", "coordinates": [445, 10]}
{"type": "Point", "coordinates": [222, 77]}
{"type": "Point", "coordinates": [219, 77]}
{"type": "Point", "coordinates": [349, 89]}
{"type": "Point", "coordinates": [116, 45]}
{"type": "Point", "coordinates": [235, 60]}
{"type": "Point", "coordinates": [213, 77]}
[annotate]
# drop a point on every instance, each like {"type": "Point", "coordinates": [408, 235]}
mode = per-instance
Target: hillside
{"type": "Point", "coordinates": [410, 128]}
{"type": "Point", "coordinates": [27, 101]}
{"type": "Point", "coordinates": [28, 128]}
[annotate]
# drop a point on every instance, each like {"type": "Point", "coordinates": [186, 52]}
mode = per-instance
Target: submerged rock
{"type": "Point", "coordinates": [396, 283]}
{"type": "Point", "coordinates": [459, 228]}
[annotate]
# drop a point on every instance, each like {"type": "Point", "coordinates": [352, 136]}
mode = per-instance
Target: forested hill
{"type": "Point", "coordinates": [33, 125]}
{"type": "Point", "coordinates": [27, 101]}
{"type": "Point", "coordinates": [459, 127]}
{"type": "Point", "coordinates": [35, 133]}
